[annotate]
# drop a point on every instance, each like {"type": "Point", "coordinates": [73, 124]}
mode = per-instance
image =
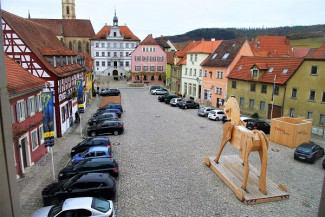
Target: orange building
{"type": "Point", "coordinates": [218, 65]}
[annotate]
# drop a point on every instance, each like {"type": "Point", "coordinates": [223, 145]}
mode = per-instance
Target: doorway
{"type": "Point", "coordinates": [23, 143]}
{"type": "Point", "coordinates": [277, 111]}
{"type": "Point", "coordinates": [200, 91]}
{"type": "Point", "coordinates": [115, 73]}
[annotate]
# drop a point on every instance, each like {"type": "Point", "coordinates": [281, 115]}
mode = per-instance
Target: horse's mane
{"type": "Point", "coordinates": [232, 109]}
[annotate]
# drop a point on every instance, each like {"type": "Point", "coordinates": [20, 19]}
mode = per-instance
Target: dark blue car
{"type": "Point", "coordinates": [116, 111]}
{"type": "Point", "coordinates": [111, 106]}
{"type": "Point", "coordinates": [309, 152]}
{"type": "Point", "coordinates": [93, 152]}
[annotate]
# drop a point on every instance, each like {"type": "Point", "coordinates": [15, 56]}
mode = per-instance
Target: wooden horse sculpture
{"type": "Point", "coordinates": [245, 141]}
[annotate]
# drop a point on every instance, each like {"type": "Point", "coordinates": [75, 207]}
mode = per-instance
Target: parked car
{"type": "Point", "coordinates": [154, 88]}
{"type": "Point", "coordinates": [106, 127]}
{"type": "Point", "coordinates": [93, 165]}
{"type": "Point", "coordinates": [103, 117]}
{"type": "Point", "coordinates": [116, 111]}
{"type": "Point", "coordinates": [309, 152]}
{"type": "Point", "coordinates": [204, 111]}
{"type": "Point", "coordinates": [111, 106]}
{"type": "Point", "coordinates": [90, 142]}
{"type": "Point", "coordinates": [185, 104]}
{"type": "Point", "coordinates": [161, 98]}
{"type": "Point", "coordinates": [174, 101]}
{"type": "Point", "coordinates": [81, 185]}
{"type": "Point", "coordinates": [216, 115]}
{"type": "Point", "coordinates": [92, 152]}
{"type": "Point", "coordinates": [254, 124]}
{"type": "Point", "coordinates": [110, 92]}
{"type": "Point", "coordinates": [161, 91]}
{"type": "Point", "coordinates": [79, 206]}
{"type": "Point", "coordinates": [168, 97]}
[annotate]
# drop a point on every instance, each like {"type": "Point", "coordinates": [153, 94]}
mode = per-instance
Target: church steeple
{"type": "Point", "coordinates": [115, 20]}
{"type": "Point", "coordinates": [68, 9]}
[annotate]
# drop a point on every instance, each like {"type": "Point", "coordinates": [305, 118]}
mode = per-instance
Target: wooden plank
{"type": "Point", "coordinates": [109, 99]}
{"type": "Point", "coordinates": [231, 171]}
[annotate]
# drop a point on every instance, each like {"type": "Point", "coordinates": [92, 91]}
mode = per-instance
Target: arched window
{"type": "Point", "coordinates": [79, 46]}
{"type": "Point", "coordinates": [70, 45]}
{"type": "Point", "coordinates": [87, 47]}
{"type": "Point", "coordinates": [68, 10]}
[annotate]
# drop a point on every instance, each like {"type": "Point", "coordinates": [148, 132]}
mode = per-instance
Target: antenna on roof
{"type": "Point", "coordinates": [28, 14]}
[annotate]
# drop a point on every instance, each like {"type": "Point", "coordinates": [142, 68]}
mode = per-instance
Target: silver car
{"type": "Point", "coordinates": [204, 111]}
{"type": "Point", "coordinates": [174, 101]}
{"type": "Point", "coordinates": [79, 206]}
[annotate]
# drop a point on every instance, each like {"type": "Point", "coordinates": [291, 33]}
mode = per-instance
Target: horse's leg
{"type": "Point", "coordinates": [263, 158]}
{"type": "Point", "coordinates": [226, 136]}
{"type": "Point", "coordinates": [248, 146]}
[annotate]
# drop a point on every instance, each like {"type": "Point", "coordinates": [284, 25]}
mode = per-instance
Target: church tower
{"type": "Point", "coordinates": [68, 9]}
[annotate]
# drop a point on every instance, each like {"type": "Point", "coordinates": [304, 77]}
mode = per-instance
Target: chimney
{"type": "Point", "coordinates": [202, 39]}
{"type": "Point", "coordinates": [213, 39]}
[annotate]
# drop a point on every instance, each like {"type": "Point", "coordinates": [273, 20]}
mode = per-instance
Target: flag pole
{"type": "Point", "coordinates": [273, 96]}
{"type": "Point", "coordinates": [52, 164]}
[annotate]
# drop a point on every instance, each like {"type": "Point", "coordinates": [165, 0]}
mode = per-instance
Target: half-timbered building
{"type": "Point", "coordinates": [38, 50]}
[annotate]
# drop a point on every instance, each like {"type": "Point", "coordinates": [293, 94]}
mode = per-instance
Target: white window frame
{"type": "Point", "coordinates": [34, 132]}
{"type": "Point", "coordinates": [21, 110]}
{"type": "Point", "coordinates": [31, 106]}
{"type": "Point", "coordinates": [218, 91]}
{"type": "Point", "coordinates": [41, 134]}
{"type": "Point", "coordinates": [160, 68]}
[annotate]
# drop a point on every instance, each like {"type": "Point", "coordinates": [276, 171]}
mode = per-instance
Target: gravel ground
{"type": "Point", "coordinates": [162, 171]}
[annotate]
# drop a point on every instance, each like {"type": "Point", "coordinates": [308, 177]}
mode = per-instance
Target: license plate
{"type": "Point", "coordinates": [302, 158]}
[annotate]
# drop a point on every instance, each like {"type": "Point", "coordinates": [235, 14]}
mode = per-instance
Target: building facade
{"type": "Point", "coordinates": [111, 50]}
{"type": "Point", "coordinates": [68, 9]}
{"type": "Point", "coordinates": [149, 62]}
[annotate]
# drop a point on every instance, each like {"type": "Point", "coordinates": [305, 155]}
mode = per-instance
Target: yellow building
{"type": "Point", "coordinates": [305, 94]}
{"type": "Point", "coordinates": [253, 79]}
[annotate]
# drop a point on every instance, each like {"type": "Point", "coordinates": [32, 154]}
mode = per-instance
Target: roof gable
{"type": "Point", "coordinates": [272, 46]}
{"type": "Point", "coordinates": [317, 54]}
{"type": "Point", "coordinates": [124, 30]}
{"type": "Point", "coordinates": [149, 41]}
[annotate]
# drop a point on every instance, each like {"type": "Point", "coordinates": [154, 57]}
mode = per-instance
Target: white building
{"type": "Point", "coordinates": [111, 48]}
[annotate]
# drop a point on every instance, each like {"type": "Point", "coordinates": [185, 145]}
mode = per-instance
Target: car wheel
{"type": "Point", "coordinates": [54, 201]}
{"type": "Point", "coordinates": [197, 106]}
{"type": "Point", "coordinates": [185, 107]}
{"type": "Point", "coordinates": [115, 133]}
{"type": "Point", "coordinates": [217, 119]}
{"type": "Point", "coordinates": [93, 133]}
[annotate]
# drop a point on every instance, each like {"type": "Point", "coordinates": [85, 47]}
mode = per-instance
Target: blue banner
{"type": "Point", "coordinates": [47, 114]}
{"type": "Point", "coordinates": [80, 96]}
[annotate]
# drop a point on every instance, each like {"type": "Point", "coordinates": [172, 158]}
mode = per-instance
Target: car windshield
{"type": "Point", "coordinates": [100, 205]}
{"type": "Point", "coordinates": [68, 182]}
{"type": "Point", "coordinates": [304, 149]}
{"type": "Point", "coordinates": [55, 210]}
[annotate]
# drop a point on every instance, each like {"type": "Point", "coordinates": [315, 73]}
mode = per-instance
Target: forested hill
{"type": "Point", "coordinates": [294, 32]}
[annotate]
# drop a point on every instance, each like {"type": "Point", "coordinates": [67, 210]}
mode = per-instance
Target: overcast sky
{"type": "Point", "coordinates": [172, 17]}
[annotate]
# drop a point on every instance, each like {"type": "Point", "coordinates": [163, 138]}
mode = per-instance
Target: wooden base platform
{"type": "Point", "coordinates": [231, 171]}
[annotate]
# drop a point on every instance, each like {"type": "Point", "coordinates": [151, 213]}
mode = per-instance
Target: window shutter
{"type": "Point", "coordinates": [36, 104]}
{"type": "Point", "coordinates": [12, 114]}
{"type": "Point", "coordinates": [29, 106]}
{"type": "Point", "coordinates": [25, 109]}
{"type": "Point", "coordinates": [17, 112]}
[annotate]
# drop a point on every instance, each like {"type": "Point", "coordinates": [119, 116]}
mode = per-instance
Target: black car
{"type": "Point", "coordinates": [103, 117]}
{"type": "Point", "coordinates": [188, 104]}
{"type": "Point", "coordinates": [92, 165]}
{"type": "Point", "coordinates": [90, 142]}
{"type": "Point", "coordinates": [106, 127]}
{"type": "Point", "coordinates": [168, 97]}
{"type": "Point", "coordinates": [110, 92]}
{"type": "Point", "coordinates": [161, 98]}
{"type": "Point", "coordinates": [111, 106]}
{"type": "Point", "coordinates": [253, 124]}
{"type": "Point", "coordinates": [308, 152]}
{"type": "Point", "coordinates": [81, 185]}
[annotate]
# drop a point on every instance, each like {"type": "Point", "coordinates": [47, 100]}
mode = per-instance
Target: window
{"type": "Point", "coordinates": [108, 45]}
{"type": "Point", "coordinates": [194, 72]}
{"type": "Point", "coordinates": [12, 117]}
{"type": "Point", "coordinates": [153, 59]}
{"type": "Point", "coordinates": [253, 87]}
{"type": "Point", "coordinates": [145, 58]}
{"type": "Point", "coordinates": [137, 58]}
{"type": "Point", "coordinates": [191, 57]}
{"type": "Point", "coordinates": [323, 96]}
{"type": "Point", "coordinates": [205, 94]}
{"type": "Point", "coordinates": [79, 46]}
{"type": "Point", "coordinates": [97, 54]}
{"type": "Point", "coordinates": [121, 45]}
{"type": "Point", "coordinates": [127, 63]}
{"type": "Point", "coordinates": [127, 45]}
{"type": "Point", "coordinates": [195, 59]}
{"type": "Point", "coordinates": [309, 115]}
{"type": "Point", "coordinates": [225, 56]}
{"type": "Point", "coordinates": [276, 90]}
{"type": "Point", "coordinates": [121, 63]}
{"type": "Point", "coordinates": [241, 101]}
{"type": "Point", "coordinates": [251, 103]}
{"type": "Point", "coordinates": [255, 72]}
{"type": "Point", "coordinates": [205, 73]}
{"type": "Point", "coordinates": [190, 89]}
{"type": "Point", "coordinates": [200, 73]}
{"type": "Point", "coordinates": [159, 77]}
{"type": "Point", "coordinates": [314, 70]}
{"type": "Point", "coordinates": [322, 119]}
{"type": "Point", "coordinates": [152, 77]}
{"type": "Point", "coordinates": [30, 106]}
{"type": "Point", "coordinates": [312, 95]}
{"type": "Point", "coordinates": [194, 89]}
{"type": "Point", "coordinates": [103, 44]}
{"type": "Point", "coordinates": [214, 56]}
{"type": "Point", "coordinates": [218, 90]}
{"type": "Point", "coordinates": [270, 70]}
{"type": "Point", "coordinates": [41, 135]}
{"type": "Point", "coordinates": [292, 112]}
{"type": "Point", "coordinates": [190, 72]}
{"type": "Point", "coordinates": [115, 45]}
{"type": "Point", "coordinates": [145, 68]}
{"type": "Point", "coordinates": [186, 71]}
{"type": "Point", "coordinates": [210, 74]}
{"type": "Point", "coordinates": [145, 77]}
{"type": "Point", "coordinates": [160, 59]}
{"type": "Point", "coordinates": [159, 68]}
{"type": "Point", "coordinates": [263, 88]}
{"type": "Point", "coordinates": [137, 68]}
{"type": "Point", "coordinates": [294, 93]}
{"type": "Point", "coordinates": [121, 54]}
{"type": "Point", "coordinates": [239, 68]}
{"type": "Point", "coordinates": [285, 71]}
{"type": "Point", "coordinates": [97, 44]}
{"type": "Point", "coordinates": [108, 54]}
{"type": "Point", "coordinates": [108, 63]}
{"type": "Point", "coordinates": [152, 68]}
{"type": "Point", "coordinates": [21, 110]}
{"type": "Point", "coordinates": [262, 105]}
{"type": "Point", "coordinates": [34, 139]}
{"type": "Point", "coordinates": [126, 54]}
{"type": "Point", "coordinates": [219, 74]}
{"type": "Point", "coordinates": [103, 63]}
{"type": "Point", "coordinates": [233, 84]}
{"type": "Point", "coordinates": [115, 54]}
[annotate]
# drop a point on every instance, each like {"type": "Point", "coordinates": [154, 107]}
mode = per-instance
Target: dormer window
{"type": "Point", "coordinates": [54, 61]}
{"type": "Point", "coordinates": [71, 59]}
{"type": "Point", "coordinates": [225, 56]}
{"type": "Point", "coordinates": [66, 60]}
{"type": "Point", "coordinates": [255, 73]}
{"type": "Point", "coordinates": [61, 61]}
{"type": "Point", "coordinates": [285, 71]}
{"type": "Point", "coordinates": [270, 70]}
{"type": "Point", "coordinates": [114, 34]}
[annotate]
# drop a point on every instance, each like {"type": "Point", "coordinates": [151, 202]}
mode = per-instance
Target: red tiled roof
{"type": "Point", "coordinates": [272, 46]}
{"type": "Point", "coordinates": [183, 53]}
{"type": "Point", "coordinates": [88, 61]}
{"type": "Point", "coordinates": [262, 66]}
{"type": "Point", "coordinates": [124, 30]}
{"type": "Point", "coordinates": [242, 70]}
{"type": "Point", "coordinates": [170, 57]}
{"type": "Point", "coordinates": [68, 27]}
{"type": "Point", "coordinates": [205, 47]}
{"type": "Point", "coordinates": [53, 52]}
{"type": "Point", "coordinates": [19, 79]}
{"type": "Point", "coordinates": [300, 52]}
{"type": "Point", "coordinates": [149, 41]}
{"type": "Point", "coordinates": [37, 37]}
{"type": "Point", "coordinates": [317, 54]}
